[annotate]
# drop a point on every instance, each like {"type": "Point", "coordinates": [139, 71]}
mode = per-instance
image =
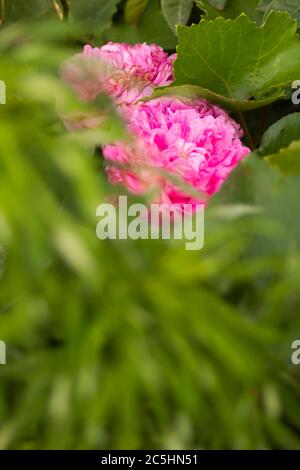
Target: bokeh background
{"type": "Point", "coordinates": [131, 344]}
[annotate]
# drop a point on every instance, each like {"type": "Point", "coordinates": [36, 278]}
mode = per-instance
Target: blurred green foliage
{"type": "Point", "coordinates": [131, 344]}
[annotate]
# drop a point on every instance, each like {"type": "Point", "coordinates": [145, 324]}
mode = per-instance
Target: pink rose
{"type": "Point", "coordinates": [192, 140]}
{"type": "Point", "coordinates": [125, 72]}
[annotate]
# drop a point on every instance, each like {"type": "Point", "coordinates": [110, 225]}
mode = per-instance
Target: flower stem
{"type": "Point", "coordinates": [2, 11]}
{"type": "Point", "coordinates": [65, 7]}
{"type": "Point", "coordinates": [246, 130]}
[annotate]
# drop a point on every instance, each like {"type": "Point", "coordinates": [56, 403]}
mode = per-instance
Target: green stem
{"type": "Point", "coordinates": [2, 11]}
{"type": "Point", "coordinates": [246, 130]}
{"type": "Point", "coordinates": [65, 8]}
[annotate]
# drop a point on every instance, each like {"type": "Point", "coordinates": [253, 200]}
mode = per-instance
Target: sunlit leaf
{"type": "Point", "coordinates": [262, 65]}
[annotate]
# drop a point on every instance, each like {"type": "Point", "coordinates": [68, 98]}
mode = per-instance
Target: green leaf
{"type": "Point", "coordinates": [176, 12]}
{"type": "Point", "coordinates": [193, 91]}
{"type": "Point", "coordinates": [232, 9]}
{"type": "Point", "coordinates": [291, 6]}
{"type": "Point", "coordinates": [17, 10]}
{"type": "Point", "coordinates": [134, 10]}
{"type": "Point", "coordinates": [287, 160]}
{"type": "Point", "coordinates": [152, 28]}
{"type": "Point", "coordinates": [94, 15]}
{"type": "Point", "coordinates": [280, 145]}
{"type": "Point", "coordinates": [280, 135]}
{"type": "Point", "coordinates": [219, 4]}
{"type": "Point", "coordinates": [246, 65]}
